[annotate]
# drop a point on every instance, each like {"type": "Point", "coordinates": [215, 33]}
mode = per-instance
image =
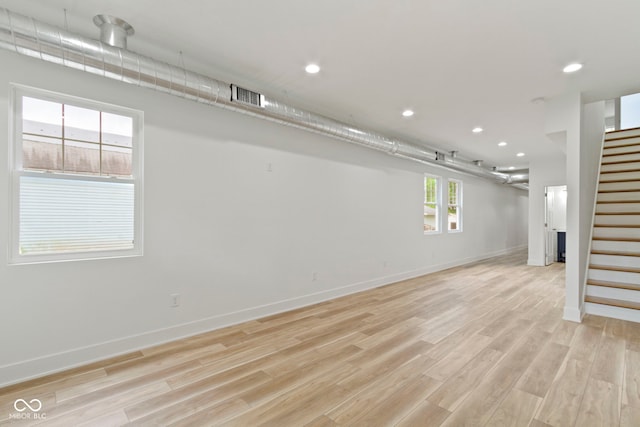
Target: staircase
{"type": "Point", "coordinates": [613, 281]}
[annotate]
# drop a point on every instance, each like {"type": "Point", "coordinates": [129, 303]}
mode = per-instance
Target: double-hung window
{"type": "Point", "coordinates": [431, 204]}
{"type": "Point", "coordinates": [454, 211]}
{"type": "Point", "coordinates": [76, 178]}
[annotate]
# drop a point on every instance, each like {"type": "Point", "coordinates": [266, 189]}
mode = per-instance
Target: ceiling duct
{"type": "Point", "coordinates": [110, 59]}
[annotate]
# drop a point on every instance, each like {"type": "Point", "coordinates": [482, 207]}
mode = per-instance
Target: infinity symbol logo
{"type": "Point", "coordinates": [37, 405]}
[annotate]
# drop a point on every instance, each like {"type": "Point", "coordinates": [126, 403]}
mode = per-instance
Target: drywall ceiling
{"type": "Point", "coordinates": [457, 63]}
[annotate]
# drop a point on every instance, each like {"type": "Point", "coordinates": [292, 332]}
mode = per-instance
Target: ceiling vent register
{"type": "Point", "coordinates": [246, 96]}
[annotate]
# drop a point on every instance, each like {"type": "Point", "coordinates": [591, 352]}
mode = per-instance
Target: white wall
{"type": "Point", "coordinates": [592, 124]}
{"type": "Point", "coordinates": [235, 240]}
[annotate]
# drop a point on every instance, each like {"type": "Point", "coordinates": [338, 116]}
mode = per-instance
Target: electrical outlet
{"type": "Point", "coordinates": [175, 300]}
{"type": "Point", "coordinates": [314, 276]}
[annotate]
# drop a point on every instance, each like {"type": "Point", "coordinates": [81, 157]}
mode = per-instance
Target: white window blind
{"type": "Point", "coordinates": [69, 215]}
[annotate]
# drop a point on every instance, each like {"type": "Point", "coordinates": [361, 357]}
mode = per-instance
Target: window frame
{"type": "Point", "coordinates": [16, 171]}
{"type": "Point", "coordinates": [438, 202]}
{"type": "Point", "coordinates": [457, 205]}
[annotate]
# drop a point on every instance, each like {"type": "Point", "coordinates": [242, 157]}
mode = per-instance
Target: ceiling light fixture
{"type": "Point", "coordinates": [572, 68]}
{"type": "Point", "coordinates": [520, 154]}
{"type": "Point", "coordinates": [312, 68]}
{"type": "Point", "coordinates": [477, 130]}
{"type": "Point", "coordinates": [407, 113]}
{"type": "Point", "coordinates": [511, 168]}
{"type": "Point", "coordinates": [502, 144]}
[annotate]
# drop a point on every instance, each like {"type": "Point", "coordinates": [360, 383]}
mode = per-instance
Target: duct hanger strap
{"type": "Point", "coordinates": [110, 59]}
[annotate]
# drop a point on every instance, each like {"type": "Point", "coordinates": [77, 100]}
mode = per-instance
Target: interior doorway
{"type": "Point", "coordinates": [555, 223]}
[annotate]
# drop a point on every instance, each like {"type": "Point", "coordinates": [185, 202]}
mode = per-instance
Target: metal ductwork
{"type": "Point", "coordinates": [109, 58]}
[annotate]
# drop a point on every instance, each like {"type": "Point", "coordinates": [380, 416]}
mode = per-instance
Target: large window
{"type": "Point", "coordinates": [76, 178]}
{"type": "Point", "coordinates": [431, 204]}
{"type": "Point", "coordinates": [454, 214]}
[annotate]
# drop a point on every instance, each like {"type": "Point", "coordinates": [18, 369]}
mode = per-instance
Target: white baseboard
{"type": "Point", "coordinates": [52, 363]}
{"type": "Point", "coordinates": [573, 314]}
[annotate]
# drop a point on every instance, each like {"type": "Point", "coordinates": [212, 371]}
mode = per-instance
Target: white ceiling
{"type": "Point", "coordinates": [457, 63]}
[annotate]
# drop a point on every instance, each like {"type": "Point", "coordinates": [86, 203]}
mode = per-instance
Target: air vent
{"type": "Point", "coordinates": [247, 96]}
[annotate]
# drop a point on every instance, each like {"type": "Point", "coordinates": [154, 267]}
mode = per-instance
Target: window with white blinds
{"type": "Point", "coordinates": [77, 181]}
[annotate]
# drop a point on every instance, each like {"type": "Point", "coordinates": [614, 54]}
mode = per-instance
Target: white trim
{"type": "Point", "coordinates": [573, 314]}
{"type": "Point", "coordinates": [52, 363]}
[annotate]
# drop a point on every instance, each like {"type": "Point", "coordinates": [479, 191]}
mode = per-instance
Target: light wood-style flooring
{"type": "Point", "coordinates": [478, 345]}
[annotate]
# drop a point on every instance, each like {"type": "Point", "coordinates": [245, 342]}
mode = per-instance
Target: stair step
{"type": "Point", "coordinates": [614, 268]}
{"type": "Point", "coordinates": [618, 187]}
{"type": "Point", "coordinates": [618, 213]}
{"type": "Point", "coordinates": [632, 159]}
{"type": "Point", "coordinates": [611, 180]}
{"type": "Point", "coordinates": [622, 134]}
{"type": "Point", "coordinates": [630, 208]}
{"type": "Point", "coordinates": [616, 246]}
{"type": "Point", "coordinates": [620, 261]}
{"type": "Point", "coordinates": [622, 167]}
{"type": "Point", "coordinates": [617, 285]}
{"type": "Point", "coordinates": [616, 232]}
{"type": "Point", "coordinates": [609, 171]}
{"type": "Point", "coordinates": [600, 225]}
{"type": "Point", "coordinates": [612, 302]}
{"type": "Point", "coordinates": [621, 313]}
{"type": "Point", "coordinates": [617, 239]}
{"type": "Point", "coordinates": [602, 202]}
{"type": "Point", "coordinates": [614, 253]}
{"type": "Point", "coordinates": [620, 149]}
{"type": "Point", "coordinates": [620, 176]}
{"type": "Point", "coordinates": [616, 153]}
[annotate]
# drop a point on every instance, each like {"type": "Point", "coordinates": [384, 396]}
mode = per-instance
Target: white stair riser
{"type": "Point", "coordinates": [604, 177]}
{"type": "Point", "coordinates": [618, 186]}
{"type": "Point", "coordinates": [618, 219]}
{"type": "Point", "coordinates": [615, 260]}
{"type": "Point", "coordinates": [617, 207]}
{"type": "Point", "coordinates": [619, 167]}
{"type": "Point", "coordinates": [622, 134]}
{"type": "Point", "coordinates": [621, 150]}
{"type": "Point", "coordinates": [629, 195]}
{"type": "Point", "coordinates": [604, 245]}
{"type": "Point", "coordinates": [616, 232]}
{"type": "Point", "coordinates": [614, 312]}
{"type": "Point", "coordinates": [614, 276]}
{"type": "Point", "coordinates": [621, 158]}
{"type": "Point", "coordinates": [614, 293]}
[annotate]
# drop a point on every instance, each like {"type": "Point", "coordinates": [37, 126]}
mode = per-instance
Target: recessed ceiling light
{"type": "Point", "coordinates": [407, 113]}
{"type": "Point", "coordinates": [502, 144]}
{"type": "Point", "coordinates": [511, 168]}
{"type": "Point", "coordinates": [520, 154]}
{"type": "Point", "coordinates": [572, 68]}
{"type": "Point", "coordinates": [477, 130]}
{"type": "Point", "coordinates": [312, 68]}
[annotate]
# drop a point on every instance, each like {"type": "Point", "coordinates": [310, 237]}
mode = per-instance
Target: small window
{"type": "Point", "coordinates": [454, 214]}
{"type": "Point", "coordinates": [431, 204]}
{"type": "Point", "coordinates": [77, 181]}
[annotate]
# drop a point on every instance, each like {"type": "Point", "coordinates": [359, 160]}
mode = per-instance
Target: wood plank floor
{"type": "Point", "coordinates": [478, 345]}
